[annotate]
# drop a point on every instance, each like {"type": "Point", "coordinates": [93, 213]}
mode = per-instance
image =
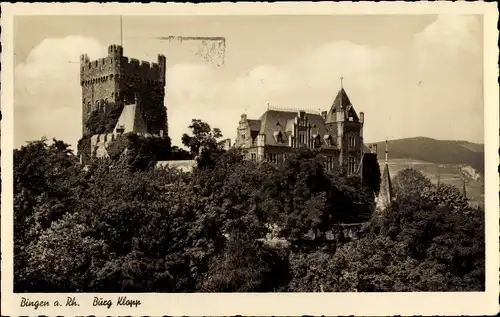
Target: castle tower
{"type": "Point", "coordinates": [110, 83]}
{"type": "Point", "coordinates": [385, 195]}
{"type": "Point", "coordinates": [343, 122]}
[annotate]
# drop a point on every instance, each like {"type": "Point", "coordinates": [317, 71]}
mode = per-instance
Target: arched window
{"type": "Point", "coordinates": [351, 140]}
{"type": "Point", "coordinates": [317, 142]}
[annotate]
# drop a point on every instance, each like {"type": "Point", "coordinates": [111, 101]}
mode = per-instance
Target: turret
{"type": "Point", "coordinates": [115, 51]}
{"type": "Point", "coordinates": [84, 60]}
{"type": "Point", "coordinates": [386, 195]}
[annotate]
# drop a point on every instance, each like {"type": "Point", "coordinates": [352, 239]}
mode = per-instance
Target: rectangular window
{"type": "Point", "coordinates": [274, 158]}
{"type": "Point", "coordinates": [330, 162]}
{"type": "Point", "coordinates": [351, 165]}
{"type": "Point", "coordinates": [254, 157]}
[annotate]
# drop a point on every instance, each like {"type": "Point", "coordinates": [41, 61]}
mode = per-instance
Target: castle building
{"type": "Point", "coordinates": [120, 95]}
{"type": "Point", "coordinates": [337, 133]}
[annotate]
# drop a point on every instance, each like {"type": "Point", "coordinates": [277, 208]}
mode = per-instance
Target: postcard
{"type": "Point", "coordinates": [255, 159]}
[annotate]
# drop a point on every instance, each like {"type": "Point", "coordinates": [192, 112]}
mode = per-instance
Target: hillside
{"type": "Point", "coordinates": [435, 151]}
{"type": "Point", "coordinates": [452, 174]}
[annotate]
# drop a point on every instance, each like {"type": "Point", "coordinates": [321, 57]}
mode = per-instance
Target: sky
{"type": "Point", "coordinates": [412, 75]}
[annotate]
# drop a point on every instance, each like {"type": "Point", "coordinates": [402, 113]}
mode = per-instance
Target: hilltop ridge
{"type": "Point", "coordinates": [435, 151]}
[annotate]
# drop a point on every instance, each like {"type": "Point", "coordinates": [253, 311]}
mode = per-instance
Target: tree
{"type": "Point", "coordinates": [416, 246]}
{"type": "Point", "coordinates": [246, 266]}
{"type": "Point", "coordinates": [448, 195]}
{"type": "Point", "coordinates": [203, 143]}
{"type": "Point", "coordinates": [296, 196]}
{"type": "Point", "coordinates": [202, 136]}
{"type": "Point", "coordinates": [46, 178]}
{"type": "Point", "coordinates": [139, 231]}
{"type": "Point", "coordinates": [371, 172]}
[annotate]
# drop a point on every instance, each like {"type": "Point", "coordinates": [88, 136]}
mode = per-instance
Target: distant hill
{"type": "Point", "coordinates": [435, 151]}
{"type": "Point", "coordinates": [452, 174]}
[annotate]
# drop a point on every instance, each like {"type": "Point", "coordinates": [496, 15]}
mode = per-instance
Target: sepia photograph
{"type": "Point", "coordinates": [246, 153]}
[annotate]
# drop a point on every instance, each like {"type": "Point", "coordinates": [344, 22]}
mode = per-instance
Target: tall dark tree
{"type": "Point", "coordinates": [410, 182]}
{"type": "Point", "coordinates": [371, 172]}
{"type": "Point", "coordinates": [46, 181]}
{"type": "Point", "coordinates": [204, 143]}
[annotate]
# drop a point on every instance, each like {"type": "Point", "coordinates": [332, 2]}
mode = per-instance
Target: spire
{"type": "Point", "coordinates": [385, 195]}
{"type": "Point", "coordinates": [464, 191]}
{"type": "Point", "coordinates": [341, 91]}
{"type": "Point", "coordinates": [386, 151]}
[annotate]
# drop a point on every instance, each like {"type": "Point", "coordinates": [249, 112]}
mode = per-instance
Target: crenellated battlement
{"type": "Point", "coordinates": [115, 64]}
{"type": "Point", "coordinates": [116, 79]}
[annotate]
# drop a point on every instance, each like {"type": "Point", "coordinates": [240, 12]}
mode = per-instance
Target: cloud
{"type": "Point", "coordinates": [47, 94]}
{"type": "Point", "coordinates": [431, 87]}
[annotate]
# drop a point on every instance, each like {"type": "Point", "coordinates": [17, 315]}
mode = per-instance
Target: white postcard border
{"type": "Point", "coordinates": [268, 304]}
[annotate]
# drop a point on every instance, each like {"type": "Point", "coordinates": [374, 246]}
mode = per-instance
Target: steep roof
{"type": "Point", "coordinates": [131, 120]}
{"type": "Point", "coordinates": [274, 120]}
{"type": "Point", "coordinates": [254, 125]}
{"type": "Point", "coordinates": [341, 102]}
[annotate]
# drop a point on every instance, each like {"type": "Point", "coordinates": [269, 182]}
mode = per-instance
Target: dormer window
{"type": "Point", "coordinates": [120, 129]}
{"type": "Point", "coordinates": [328, 139]}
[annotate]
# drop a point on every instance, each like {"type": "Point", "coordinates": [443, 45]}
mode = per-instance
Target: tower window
{"type": "Point", "coordinates": [351, 165]}
{"type": "Point", "coordinates": [351, 140]}
{"type": "Point", "coordinates": [329, 164]}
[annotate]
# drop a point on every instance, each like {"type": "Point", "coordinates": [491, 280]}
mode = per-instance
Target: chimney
{"type": "Point", "coordinates": [323, 114]}
{"type": "Point", "coordinates": [161, 133]}
{"type": "Point", "coordinates": [362, 117]}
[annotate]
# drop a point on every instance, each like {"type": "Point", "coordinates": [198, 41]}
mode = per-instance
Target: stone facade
{"type": "Point", "coordinates": [338, 133]}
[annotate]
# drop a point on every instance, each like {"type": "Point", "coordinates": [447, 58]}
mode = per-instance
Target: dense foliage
{"type": "Point", "coordinates": [112, 228]}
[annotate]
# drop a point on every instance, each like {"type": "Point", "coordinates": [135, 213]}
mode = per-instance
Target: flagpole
{"type": "Point", "coordinates": [121, 30]}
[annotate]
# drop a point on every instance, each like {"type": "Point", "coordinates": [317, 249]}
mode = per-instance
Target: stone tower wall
{"type": "Point", "coordinates": [116, 80]}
